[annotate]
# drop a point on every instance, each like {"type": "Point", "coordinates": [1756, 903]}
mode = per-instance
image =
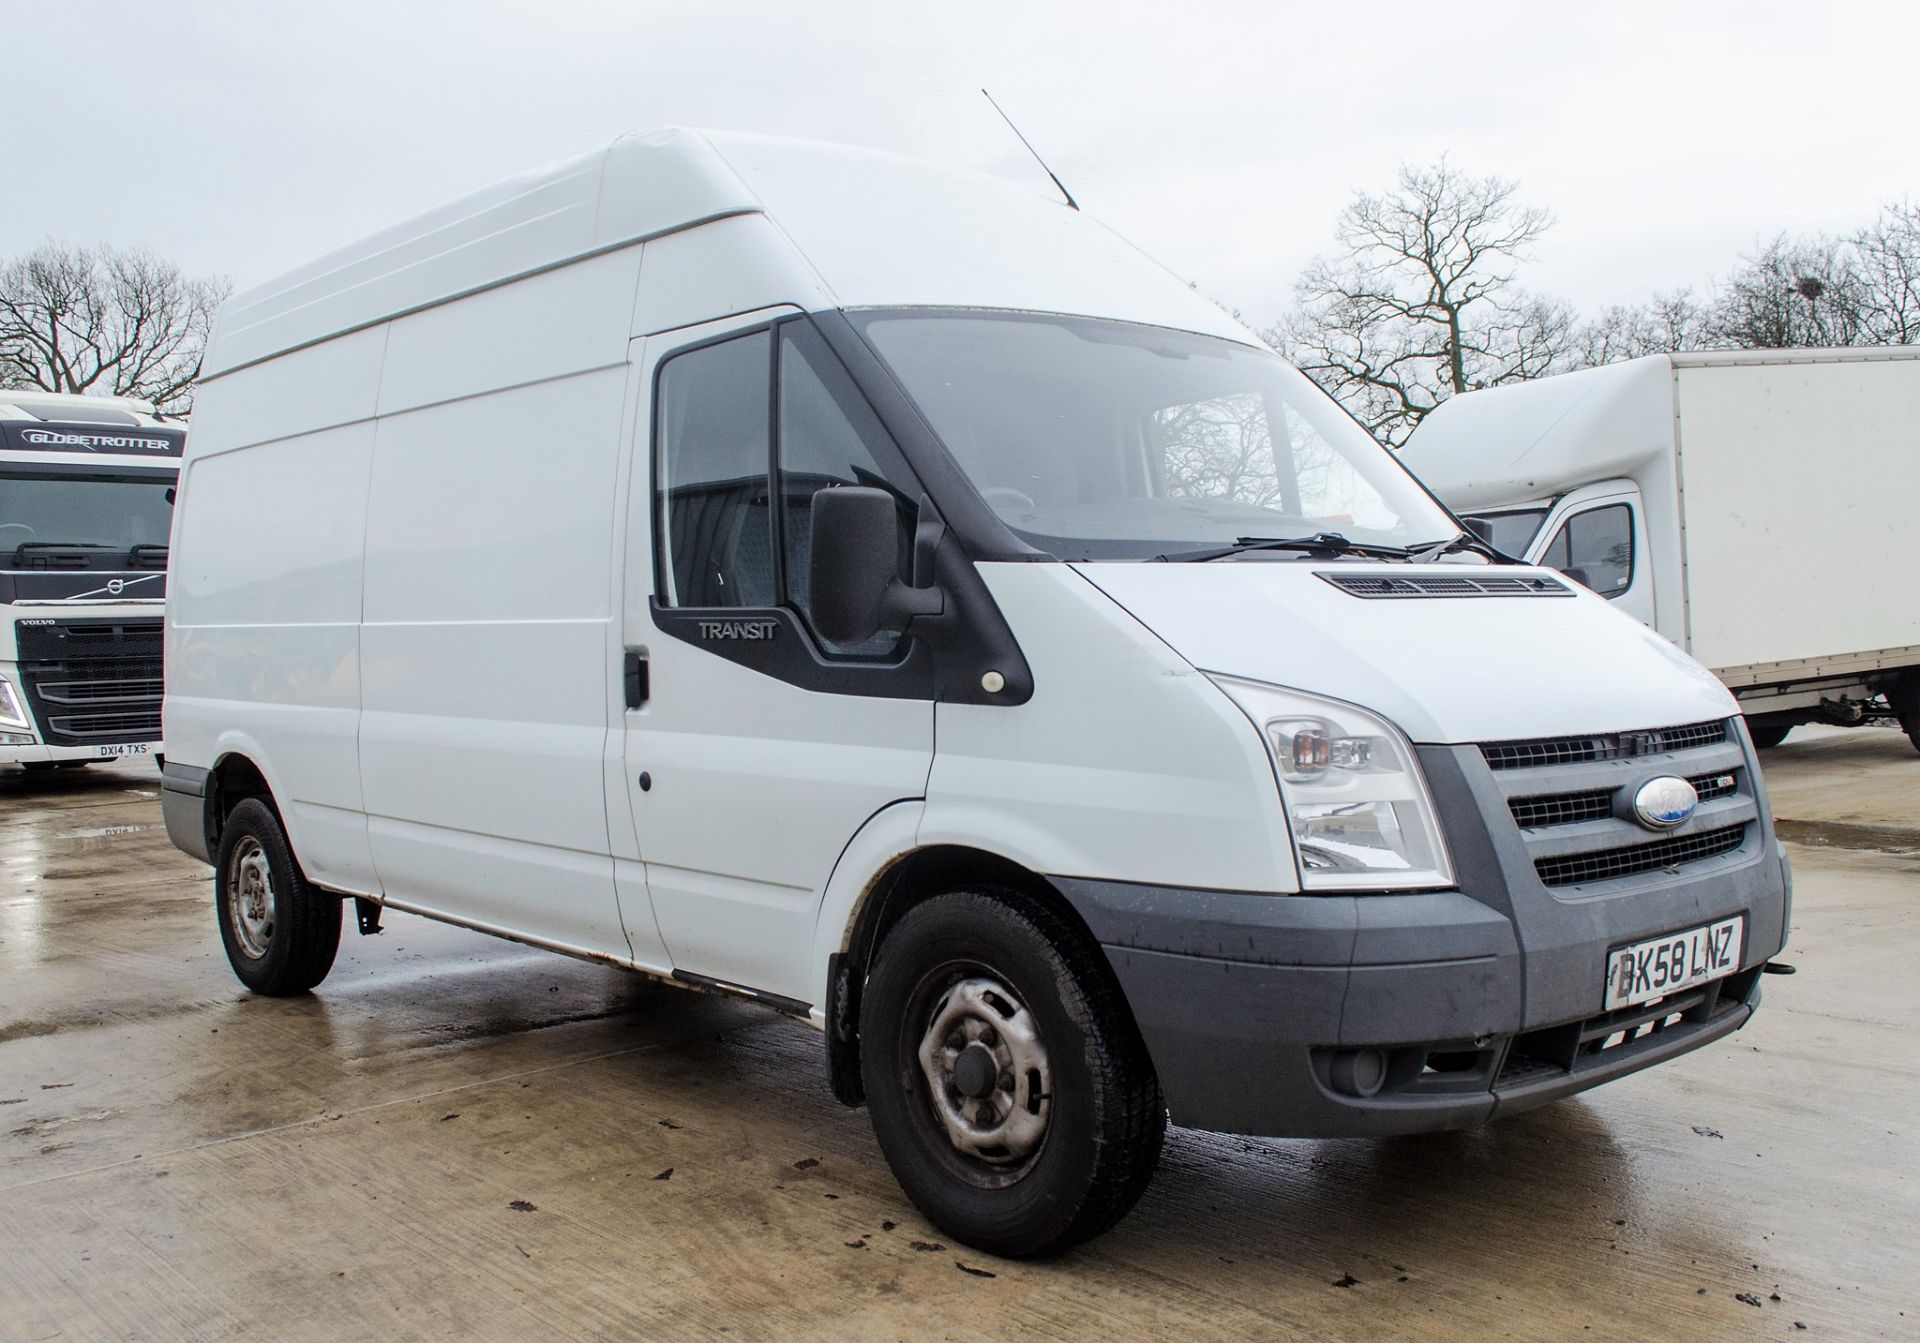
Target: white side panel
{"type": "Point", "coordinates": [485, 647]}
{"type": "Point", "coordinates": [1798, 486]}
{"type": "Point", "coordinates": [263, 635]}
{"type": "Point", "coordinates": [319, 388]}
{"type": "Point", "coordinates": [1126, 765]}
{"type": "Point", "coordinates": [730, 266]}
{"type": "Point", "coordinates": [547, 326]}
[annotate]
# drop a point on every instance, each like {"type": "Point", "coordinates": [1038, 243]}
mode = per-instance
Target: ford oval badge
{"type": "Point", "coordinates": [1665, 802]}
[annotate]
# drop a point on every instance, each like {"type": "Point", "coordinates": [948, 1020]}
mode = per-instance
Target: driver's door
{"type": "Point", "coordinates": [757, 751]}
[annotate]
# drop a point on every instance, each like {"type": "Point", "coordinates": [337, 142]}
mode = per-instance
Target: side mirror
{"type": "Point", "coordinates": [854, 567]}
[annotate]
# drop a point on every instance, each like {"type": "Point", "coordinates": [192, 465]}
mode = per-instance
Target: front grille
{"type": "Point", "coordinates": [1720, 783]}
{"type": "Point", "coordinates": [1575, 869]}
{"type": "Point", "coordinates": [91, 681]}
{"type": "Point", "coordinates": [1601, 746]}
{"type": "Point", "coordinates": [1446, 585]}
{"type": "Point", "coordinates": [1596, 804]}
{"type": "Point", "coordinates": [1533, 813]}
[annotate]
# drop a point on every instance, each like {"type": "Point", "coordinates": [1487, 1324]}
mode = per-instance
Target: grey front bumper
{"type": "Point", "coordinates": [1483, 1001]}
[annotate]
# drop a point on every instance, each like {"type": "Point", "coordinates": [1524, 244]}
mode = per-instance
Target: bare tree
{"type": "Point", "coordinates": [1887, 261]}
{"type": "Point", "coordinates": [105, 321]}
{"type": "Point", "coordinates": [1795, 292]}
{"type": "Point", "coordinates": [1626, 331]}
{"type": "Point", "coordinates": [1420, 303]}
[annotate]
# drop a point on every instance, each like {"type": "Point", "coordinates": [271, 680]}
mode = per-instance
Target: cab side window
{"type": "Point", "coordinates": [1598, 544]}
{"type": "Point", "coordinates": [715, 519]}
{"type": "Point", "coordinates": [732, 418]}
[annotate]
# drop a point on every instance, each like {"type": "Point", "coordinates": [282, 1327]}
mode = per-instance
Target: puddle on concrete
{"type": "Point", "coordinates": [1849, 835]}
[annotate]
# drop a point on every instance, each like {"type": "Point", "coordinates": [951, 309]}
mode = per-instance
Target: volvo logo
{"type": "Point", "coordinates": [116, 586]}
{"type": "Point", "coordinates": [1665, 802]}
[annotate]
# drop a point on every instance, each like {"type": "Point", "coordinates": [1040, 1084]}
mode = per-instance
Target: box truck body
{"type": "Point", "coordinates": [1754, 507]}
{"type": "Point", "coordinates": [86, 502]}
{"type": "Point", "coordinates": [878, 591]}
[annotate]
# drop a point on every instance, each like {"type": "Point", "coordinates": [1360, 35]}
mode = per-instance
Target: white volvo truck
{"type": "Point", "coordinates": [1755, 507]}
{"type": "Point", "coordinates": [879, 592]}
{"type": "Point", "coordinates": [86, 503]}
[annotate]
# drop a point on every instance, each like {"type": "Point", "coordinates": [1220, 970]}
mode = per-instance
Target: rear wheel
{"type": "Point", "coordinates": [1905, 700]}
{"type": "Point", "coordinates": [281, 933]}
{"type": "Point", "coordinates": [1008, 1086]}
{"type": "Point", "coordinates": [1766, 736]}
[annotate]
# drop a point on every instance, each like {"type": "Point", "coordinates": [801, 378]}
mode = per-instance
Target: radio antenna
{"type": "Point", "coordinates": [1072, 204]}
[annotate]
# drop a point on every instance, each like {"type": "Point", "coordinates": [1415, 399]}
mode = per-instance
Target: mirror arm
{"type": "Point", "coordinates": [929, 531]}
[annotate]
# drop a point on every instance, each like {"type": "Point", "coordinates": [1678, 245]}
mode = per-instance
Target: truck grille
{"type": "Point", "coordinates": [1567, 798]}
{"type": "Point", "coordinates": [1625, 861]}
{"type": "Point", "coordinates": [1604, 746]}
{"type": "Point", "coordinates": [91, 681]}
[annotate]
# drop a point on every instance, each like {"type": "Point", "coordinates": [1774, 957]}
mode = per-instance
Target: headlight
{"type": "Point", "coordinates": [1358, 805]}
{"type": "Point", "coordinates": [11, 714]}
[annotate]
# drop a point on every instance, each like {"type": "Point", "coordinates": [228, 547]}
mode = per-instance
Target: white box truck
{"type": "Point", "coordinates": [1755, 507]}
{"type": "Point", "coordinates": [878, 591]}
{"type": "Point", "coordinates": [86, 504]}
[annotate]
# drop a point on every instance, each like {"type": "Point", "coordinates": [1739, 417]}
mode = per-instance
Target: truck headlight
{"type": "Point", "coordinates": [1355, 798]}
{"type": "Point", "coordinates": [11, 713]}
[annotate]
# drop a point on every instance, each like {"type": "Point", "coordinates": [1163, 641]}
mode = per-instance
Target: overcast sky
{"type": "Point", "coordinates": [245, 136]}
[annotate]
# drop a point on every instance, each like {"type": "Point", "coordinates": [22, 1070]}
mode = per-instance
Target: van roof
{"type": "Point", "coordinates": [876, 228]}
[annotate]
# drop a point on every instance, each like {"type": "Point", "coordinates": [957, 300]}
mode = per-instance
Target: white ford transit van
{"type": "Point", "coordinates": [879, 591]}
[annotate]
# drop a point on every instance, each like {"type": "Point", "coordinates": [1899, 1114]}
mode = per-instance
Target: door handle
{"type": "Point", "coordinates": [636, 677]}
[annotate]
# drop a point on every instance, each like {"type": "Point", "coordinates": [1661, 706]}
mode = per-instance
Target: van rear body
{"type": "Point", "coordinates": [879, 591]}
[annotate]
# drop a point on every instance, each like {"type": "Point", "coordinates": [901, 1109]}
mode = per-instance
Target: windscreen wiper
{"type": "Point", "coordinates": [25, 548]}
{"type": "Point", "coordinates": [1463, 541]}
{"type": "Point", "coordinates": [155, 553]}
{"type": "Point", "coordinates": [1320, 543]}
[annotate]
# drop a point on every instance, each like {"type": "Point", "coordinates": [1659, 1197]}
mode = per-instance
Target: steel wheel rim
{"type": "Point", "coordinates": [250, 904]}
{"type": "Point", "coordinates": [989, 1081]}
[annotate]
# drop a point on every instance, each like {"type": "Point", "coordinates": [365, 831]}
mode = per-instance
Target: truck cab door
{"type": "Point", "coordinates": [1597, 535]}
{"type": "Point", "coordinates": [754, 751]}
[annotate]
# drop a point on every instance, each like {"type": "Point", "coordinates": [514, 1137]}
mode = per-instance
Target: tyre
{"type": "Point", "coordinates": [1905, 701]}
{"type": "Point", "coordinates": [280, 932]}
{"type": "Point", "coordinates": [1766, 736]}
{"type": "Point", "coordinates": [1009, 1089]}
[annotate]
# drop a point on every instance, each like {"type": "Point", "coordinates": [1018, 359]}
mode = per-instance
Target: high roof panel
{"type": "Point", "coordinates": [637, 187]}
{"type": "Point", "coordinates": [877, 228]}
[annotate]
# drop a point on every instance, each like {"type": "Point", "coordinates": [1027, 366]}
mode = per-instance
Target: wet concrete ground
{"type": "Point", "coordinates": [460, 1138]}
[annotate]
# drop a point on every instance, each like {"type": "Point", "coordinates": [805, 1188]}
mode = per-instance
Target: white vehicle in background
{"type": "Point", "coordinates": [1755, 507]}
{"type": "Point", "coordinates": [880, 592]}
{"type": "Point", "coordinates": [86, 503]}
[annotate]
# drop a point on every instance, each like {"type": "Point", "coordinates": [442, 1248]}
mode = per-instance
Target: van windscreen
{"type": "Point", "coordinates": [1107, 440]}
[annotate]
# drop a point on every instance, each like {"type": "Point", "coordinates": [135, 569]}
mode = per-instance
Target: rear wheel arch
{"type": "Point", "coordinates": [233, 779]}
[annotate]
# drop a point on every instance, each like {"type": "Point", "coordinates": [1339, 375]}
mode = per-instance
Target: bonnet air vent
{"type": "Point", "coordinates": [1446, 585]}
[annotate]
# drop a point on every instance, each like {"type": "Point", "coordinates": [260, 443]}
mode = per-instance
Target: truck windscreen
{"type": "Point", "coordinates": [1509, 533]}
{"type": "Point", "coordinates": [46, 508]}
{"type": "Point", "coordinates": [1108, 440]}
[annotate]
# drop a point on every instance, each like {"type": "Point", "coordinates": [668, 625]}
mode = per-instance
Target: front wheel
{"type": "Point", "coordinates": [281, 933]}
{"type": "Point", "coordinates": [1009, 1089]}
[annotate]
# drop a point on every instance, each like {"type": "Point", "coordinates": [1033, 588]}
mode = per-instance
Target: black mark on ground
{"type": "Point", "coordinates": [1346, 1280]}
{"type": "Point", "coordinates": [666, 1174]}
{"type": "Point", "coordinates": [1704, 1132]}
{"type": "Point", "coordinates": [521, 1205]}
{"type": "Point", "coordinates": [974, 1272]}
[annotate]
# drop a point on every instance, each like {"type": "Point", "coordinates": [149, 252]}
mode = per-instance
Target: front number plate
{"type": "Point", "coordinates": [1664, 965]}
{"type": "Point", "coordinates": [132, 748]}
